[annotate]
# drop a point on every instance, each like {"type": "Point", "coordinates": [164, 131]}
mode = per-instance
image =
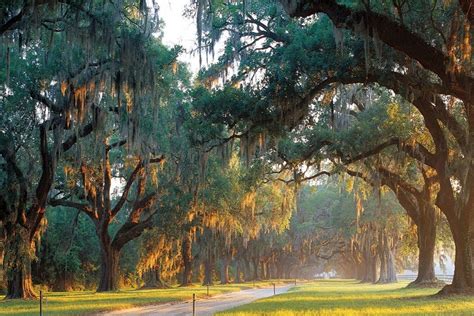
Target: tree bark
{"type": "Point", "coordinates": [109, 266]}
{"type": "Point", "coordinates": [420, 208]}
{"type": "Point", "coordinates": [208, 268]}
{"type": "Point", "coordinates": [391, 269]}
{"type": "Point", "coordinates": [238, 278]}
{"type": "Point", "coordinates": [359, 270]}
{"type": "Point", "coordinates": [63, 281]}
{"type": "Point", "coordinates": [461, 223]}
{"type": "Point", "coordinates": [279, 269]}
{"type": "Point", "coordinates": [388, 272]}
{"type": "Point", "coordinates": [370, 268]}
{"type": "Point", "coordinates": [153, 279]}
{"type": "Point", "coordinates": [247, 270]}
{"type": "Point", "coordinates": [19, 284]}
{"type": "Point", "coordinates": [18, 264]}
{"type": "Point", "coordinates": [383, 276]}
{"type": "Point", "coordinates": [224, 269]}
{"type": "Point", "coordinates": [3, 286]}
{"type": "Point", "coordinates": [263, 270]}
{"type": "Point", "coordinates": [186, 253]}
{"type": "Point", "coordinates": [462, 280]}
{"type": "Point", "coordinates": [426, 231]}
{"type": "Point", "coordinates": [255, 261]}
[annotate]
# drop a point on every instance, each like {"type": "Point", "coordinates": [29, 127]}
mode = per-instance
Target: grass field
{"type": "Point", "coordinates": [81, 303]}
{"type": "Point", "coordinates": [342, 297]}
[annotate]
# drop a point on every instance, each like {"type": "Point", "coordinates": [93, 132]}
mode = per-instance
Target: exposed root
{"type": "Point", "coordinates": [157, 286]}
{"type": "Point", "coordinates": [452, 290]}
{"type": "Point", "coordinates": [434, 283]}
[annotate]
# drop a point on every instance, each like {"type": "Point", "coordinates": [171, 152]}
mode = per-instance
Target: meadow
{"type": "Point", "coordinates": [88, 302]}
{"type": "Point", "coordinates": [347, 297]}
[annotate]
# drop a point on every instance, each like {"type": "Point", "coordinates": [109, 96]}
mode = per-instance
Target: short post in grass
{"type": "Point", "coordinates": [295, 281]}
{"type": "Point", "coordinates": [41, 303]}
{"type": "Point", "coordinates": [194, 304]}
{"type": "Point", "coordinates": [207, 289]}
{"type": "Point", "coordinates": [274, 291]}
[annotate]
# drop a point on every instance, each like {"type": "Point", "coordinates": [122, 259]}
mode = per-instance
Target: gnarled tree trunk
{"type": "Point", "coordinates": [208, 268]}
{"type": "Point", "coordinates": [187, 255]}
{"type": "Point", "coordinates": [426, 231]}
{"type": "Point", "coordinates": [247, 270]}
{"type": "Point", "coordinates": [461, 223]}
{"type": "Point", "coordinates": [109, 265]}
{"type": "Point", "coordinates": [463, 263]}
{"type": "Point", "coordinates": [224, 270]}
{"type": "Point", "coordinates": [255, 261]}
{"type": "Point", "coordinates": [370, 268]}
{"type": "Point", "coordinates": [388, 272]}
{"type": "Point", "coordinates": [153, 279]}
{"type": "Point", "coordinates": [18, 263]}
{"type": "Point", "coordinates": [238, 278]}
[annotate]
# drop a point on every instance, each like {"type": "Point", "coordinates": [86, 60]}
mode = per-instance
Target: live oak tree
{"type": "Point", "coordinates": [448, 63]}
{"type": "Point", "coordinates": [55, 93]}
{"type": "Point", "coordinates": [90, 103]}
{"type": "Point", "coordinates": [95, 200]}
{"type": "Point", "coordinates": [413, 183]}
{"type": "Point", "coordinates": [131, 145]}
{"type": "Point", "coordinates": [372, 43]}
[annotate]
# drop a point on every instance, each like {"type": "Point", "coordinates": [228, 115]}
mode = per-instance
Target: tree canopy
{"type": "Point", "coordinates": [325, 135]}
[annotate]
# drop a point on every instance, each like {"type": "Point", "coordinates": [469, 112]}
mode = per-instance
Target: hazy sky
{"type": "Point", "coordinates": [179, 30]}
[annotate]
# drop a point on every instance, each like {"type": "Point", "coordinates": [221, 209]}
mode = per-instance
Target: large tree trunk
{"type": "Point", "coordinates": [208, 268]}
{"type": "Point", "coordinates": [370, 268]}
{"type": "Point", "coordinates": [247, 270]}
{"type": "Point", "coordinates": [19, 284]}
{"type": "Point", "coordinates": [391, 269]}
{"type": "Point", "coordinates": [279, 269]}
{"type": "Point", "coordinates": [186, 253]}
{"type": "Point", "coordinates": [387, 259]}
{"type": "Point", "coordinates": [383, 267]}
{"type": "Point", "coordinates": [63, 281]}
{"type": "Point", "coordinates": [255, 261]}
{"type": "Point", "coordinates": [463, 272]}
{"type": "Point", "coordinates": [270, 270]}
{"type": "Point", "coordinates": [109, 265]}
{"type": "Point", "coordinates": [17, 263]}
{"type": "Point", "coordinates": [3, 286]}
{"type": "Point", "coordinates": [238, 278]}
{"type": "Point", "coordinates": [224, 269]}
{"type": "Point", "coordinates": [462, 228]}
{"type": "Point", "coordinates": [426, 231]}
{"type": "Point", "coordinates": [263, 271]}
{"type": "Point", "coordinates": [153, 279]}
{"type": "Point", "coordinates": [359, 270]}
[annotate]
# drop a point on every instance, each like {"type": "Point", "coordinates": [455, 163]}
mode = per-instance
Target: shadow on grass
{"type": "Point", "coordinates": [327, 297]}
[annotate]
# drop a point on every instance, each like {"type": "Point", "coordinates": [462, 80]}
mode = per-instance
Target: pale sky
{"type": "Point", "coordinates": [179, 30]}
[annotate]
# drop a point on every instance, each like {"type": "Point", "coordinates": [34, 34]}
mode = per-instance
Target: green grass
{"type": "Point", "coordinates": [82, 303]}
{"type": "Point", "coordinates": [345, 297]}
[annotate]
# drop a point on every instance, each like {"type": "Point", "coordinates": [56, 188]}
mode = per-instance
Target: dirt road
{"type": "Point", "coordinates": [204, 306]}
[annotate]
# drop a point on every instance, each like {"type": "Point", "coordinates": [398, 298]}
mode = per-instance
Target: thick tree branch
{"type": "Point", "coordinates": [83, 207]}
{"type": "Point", "coordinates": [8, 25]}
{"type": "Point", "coordinates": [130, 231]}
{"type": "Point", "coordinates": [130, 181]}
{"type": "Point", "coordinates": [388, 31]}
{"type": "Point", "coordinates": [45, 101]}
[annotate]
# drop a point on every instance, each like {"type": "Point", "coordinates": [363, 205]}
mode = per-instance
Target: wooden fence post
{"type": "Point", "coordinates": [41, 302]}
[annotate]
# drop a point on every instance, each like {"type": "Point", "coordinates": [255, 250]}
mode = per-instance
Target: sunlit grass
{"type": "Point", "coordinates": [342, 297]}
{"type": "Point", "coordinates": [81, 303]}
